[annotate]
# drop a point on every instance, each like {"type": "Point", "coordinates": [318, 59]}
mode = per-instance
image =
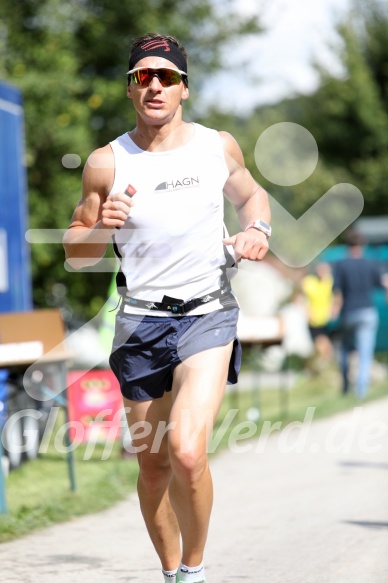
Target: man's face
{"type": "Point", "coordinates": [154, 103]}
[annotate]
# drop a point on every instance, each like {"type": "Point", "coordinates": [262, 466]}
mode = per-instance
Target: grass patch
{"type": "Point", "coordinates": [38, 493]}
{"type": "Point", "coordinates": [280, 404]}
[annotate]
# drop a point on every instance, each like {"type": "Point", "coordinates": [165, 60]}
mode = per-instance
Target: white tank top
{"type": "Point", "coordinates": [171, 244]}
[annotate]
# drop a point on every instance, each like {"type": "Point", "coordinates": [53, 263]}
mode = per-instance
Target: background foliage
{"type": "Point", "coordinates": [70, 58]}
{"type": "Point", "coordinates": [347, 115]}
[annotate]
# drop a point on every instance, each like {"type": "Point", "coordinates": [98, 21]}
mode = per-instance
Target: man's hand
{"type": "Point", "coordinates": [251, 244]}
{"type": "Point", "coordinates": [117, 208]}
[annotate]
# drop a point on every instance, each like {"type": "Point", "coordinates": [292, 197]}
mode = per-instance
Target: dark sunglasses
{"type": "Point", "coordinates": [167, 77]}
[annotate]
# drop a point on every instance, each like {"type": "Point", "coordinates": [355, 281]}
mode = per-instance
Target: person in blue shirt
{"type": "Point", "coordinates": [355, 278]}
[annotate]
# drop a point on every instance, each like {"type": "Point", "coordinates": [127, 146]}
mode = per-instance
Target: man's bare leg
{"type": "Point", "coordinates": [198, 389]}
{"type": "Point", "coordinates": [154, 478]}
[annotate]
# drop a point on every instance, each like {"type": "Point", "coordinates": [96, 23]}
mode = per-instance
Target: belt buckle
{"type": "Point", "coordinates": [175, 305]}
{"type": "Point", "coordinates": [177, 308]}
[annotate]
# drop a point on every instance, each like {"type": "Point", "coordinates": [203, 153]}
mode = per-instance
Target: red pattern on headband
{"type": "Point", "coordinates": [155, 44]}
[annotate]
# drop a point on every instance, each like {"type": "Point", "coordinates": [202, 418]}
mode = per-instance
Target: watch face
{"type": "Point", "coordinates": [262, 226]}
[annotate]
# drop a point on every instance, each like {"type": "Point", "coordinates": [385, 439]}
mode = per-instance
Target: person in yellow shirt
{"type": "Point", "coordinates": [317, 288]}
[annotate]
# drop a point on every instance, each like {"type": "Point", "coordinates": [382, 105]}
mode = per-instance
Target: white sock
{"type": "Point", "coordinates": [169, 576]}
{"type": "Point", "coordinates": [191, 574]}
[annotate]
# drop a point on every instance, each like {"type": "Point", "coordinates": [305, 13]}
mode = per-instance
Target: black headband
{"type": "Point", "coordinates": [158, 48]}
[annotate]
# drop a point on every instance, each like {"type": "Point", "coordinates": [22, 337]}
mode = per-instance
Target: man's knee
{"type": "Point", "coordinates": [155, 470]}
{"type": "Point", "coordinates": [188, 463]}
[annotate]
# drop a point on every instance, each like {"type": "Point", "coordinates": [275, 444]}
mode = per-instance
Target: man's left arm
{"type": "Point", "coordinates": [250, 202]}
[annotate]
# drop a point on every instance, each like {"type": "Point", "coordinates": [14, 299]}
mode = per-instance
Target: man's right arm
{"type": "Point", "coordinates": [97, 213]}
{"type": "Point", "coordinates": [338, 300]}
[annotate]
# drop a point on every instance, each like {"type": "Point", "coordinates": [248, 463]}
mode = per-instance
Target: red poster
{"type": "Point", "coordinates": [95, 406]}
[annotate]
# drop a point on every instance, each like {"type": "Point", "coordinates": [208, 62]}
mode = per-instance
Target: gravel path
{"type": "Point", "coordinates": [307, 505]}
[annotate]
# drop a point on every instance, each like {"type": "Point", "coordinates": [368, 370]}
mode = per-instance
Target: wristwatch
{"type": "Point", "coordinates": [260, 226]}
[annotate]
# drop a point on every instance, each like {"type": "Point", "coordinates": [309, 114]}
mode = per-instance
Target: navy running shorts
{"type": "Point", "coordinates": [146, 349]}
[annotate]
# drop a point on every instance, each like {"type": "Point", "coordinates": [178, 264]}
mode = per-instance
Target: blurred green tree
{"type": "Point", "coordinates": [347, 115]}
{"type": "Point", "coordinates": [69, 59]}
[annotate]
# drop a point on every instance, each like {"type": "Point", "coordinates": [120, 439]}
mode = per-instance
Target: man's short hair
{"type": "Point", "coordinates": [355, 239]}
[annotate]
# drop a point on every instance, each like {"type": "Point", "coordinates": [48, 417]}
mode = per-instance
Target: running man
{"type": "Point", "coordinates": [157, 192]}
